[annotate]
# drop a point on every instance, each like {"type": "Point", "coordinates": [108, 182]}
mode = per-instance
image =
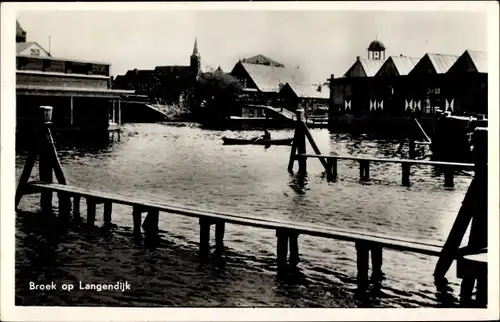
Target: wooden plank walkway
{"type": "Point", "coordinates": [395, 243]}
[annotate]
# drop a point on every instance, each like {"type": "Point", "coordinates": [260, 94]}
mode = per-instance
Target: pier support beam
{"type": "Point", "coordinates": [331, 173]}
{"type": "Point", "coordinates": [294, 249]}
{"type": "Point", "coordinates": [204, 237]}
{"type": "Point", "coordinates": [108, 208]}
{"type": "Point", "coordinates": [362, 257]}
{"type": "Point", "coordinates": [405, 179]}
{"type": "Point", "coordinates": [448, 178]}
{"type": "Point", "coordinates": [301, 141]}
{"type": "Point", "coordinates": [91, 210]}
{"type": "Point", "coordinates": [150, 224]}
{"type": "Point", "coordinates": [220, 227]}
{"type": "Point", "coordinates": [137, 218]}
{"type": "Point", "coordinates": [282, 249]}
{"type": "Point", "coordinates": [364, 170]}
{"type": "Point", "coordinates": [64, 205]}
{"type": "Point", "coordinates": [376, 252]}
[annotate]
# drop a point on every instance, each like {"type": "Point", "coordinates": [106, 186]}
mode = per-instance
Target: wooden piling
{"type": "Point", "coordinates": [137, 218]}
{"type": "Point", "coordinates": [151, 222]}
{"type": "Point", "coordinates": [294, 248]}
{"type": "Point", "coordinates": [46, 177]}
{"type": "Point", "coordinates": [108, 209]}
{"type": "Point", "coordinates": [376, 252]}
{"type": "Point", "coordinates": [282, 248]}
{"type": "Point", "coordinates": [91, 210]}
{"type": "Point", "coordinates": [362, 258]}
{"type": "Point", "coordinates": [301, 141]}
{"type": "Point", "coordinates": [219, 236]}
{"type": "Point", "coordinates": [448, 178]}
{"type": "Point", "coordinates": [331, 172]}
{"type": "Point", "coordinates": [364, 170]}
{"type": "Point", "coordinates": [204, 237]}
{"type": "Point", "coordinates": [64, 205]}
{"type": "Point", "coordinates": [405, 179]}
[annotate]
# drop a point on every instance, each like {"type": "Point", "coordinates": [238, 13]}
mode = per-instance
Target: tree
{"type": "Point", "coordinates": [214, 95]}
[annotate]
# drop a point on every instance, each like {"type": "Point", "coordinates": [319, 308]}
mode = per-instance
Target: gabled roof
{"type": "Point", "coordinates": [442, 63]}
{"type": "Point", "coordinates": [397, 66]}
{"type": "Point", "coordinates": [310, 91]}
{"type": "Point", "coordinates": [404, 64]}
{"type": "Point", "coordinates": [268, 78]}
{"type": "Point", "coordinates": [479, 59]}
{"type": "Point", "coordinates": [22, 46]}
{"type": "Point", "coordinates": [263, 60]}
{"type": "Point", "coordinates": [370, 67]}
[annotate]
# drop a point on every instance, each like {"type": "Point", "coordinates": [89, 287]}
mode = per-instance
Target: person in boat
{"type": "Point", "coordinates": [267, 135]}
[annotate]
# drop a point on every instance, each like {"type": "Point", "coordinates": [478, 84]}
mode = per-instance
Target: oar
{"type": "Point", "coordinates": [257, 140]}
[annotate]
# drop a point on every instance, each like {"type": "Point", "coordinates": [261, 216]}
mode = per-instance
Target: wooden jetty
{"type": "Point", "coordinates": [287, 233]}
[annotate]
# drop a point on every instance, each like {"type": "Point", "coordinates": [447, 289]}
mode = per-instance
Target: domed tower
{"type": "Point", "coordinates": [195, 59]}
{"type": "Point", "coordinates": [376, 50]}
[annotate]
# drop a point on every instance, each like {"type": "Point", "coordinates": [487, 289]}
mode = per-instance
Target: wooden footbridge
{"type": "Point", "coordinates": [287, 233]}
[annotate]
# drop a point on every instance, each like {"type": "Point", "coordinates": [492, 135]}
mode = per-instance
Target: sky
{"type": "Point", "coordinates": [319, 42]}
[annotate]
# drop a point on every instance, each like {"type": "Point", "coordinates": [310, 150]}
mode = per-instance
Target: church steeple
{"type": "Point", "coordinates": [195, 59]}
{"type": "Point", "coordinates": [195, 49]}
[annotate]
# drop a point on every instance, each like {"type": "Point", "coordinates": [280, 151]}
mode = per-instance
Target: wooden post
{"type": "Point", "coordinates": [64, 205]}
{"type": "Point", "coordinates": [294, 248]}
{"type": "Point", "coordinates": [150, 224]}
{"type": "Point", "coordinates": [108, 209]}
{"type": "Point", "coordinates": [91, 210]}
{"type": "Point", "coordinates": [45, 160]}
{"type": "Point", "coordinates": [282, 248]}
{"type": "Point", "coordinates": [25, 175]}
{"type": "Point", "coordinates": [376, 253]}
{"type": "Point", "coordinates": [448, 177]}
{"type": "Point", "coordinates": [301, 141]}
{"type": "Point", "coordinates": [219, 236]}
{"type": "Point", "coordinates": [71, 115]}
{"type": "Point", "coordinates": [406, 174]}
{"type": "Point", "coordinates": [362, 256]}
{"type": "Point", "coordinates": [137, 218]}
{"type": "Point", "coordinates": [76, 207]}
{"type": "Point", "coordinates": [204, 237]}
{"type": "Point", "coordinates": [412, 151]}
{"type": "Point", "coordinates": [364, 170]}
{"type": "Point", "coordinates": [113, 111]}
{"type": "Point", "coordinates": [334, 168]}
{"type": "Point", "coordinates": [119, 112]}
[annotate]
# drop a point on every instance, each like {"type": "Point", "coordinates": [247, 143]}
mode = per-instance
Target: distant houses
{"type": "Point", "coordinates": [262, 78]}
{"type": "Point", "coordinates": [172, 83]}
{"type": "Point", "coordinates": [401, 85]}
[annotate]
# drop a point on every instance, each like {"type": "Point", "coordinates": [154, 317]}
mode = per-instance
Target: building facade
{"type": "Point", "coordinates": [79, 91]}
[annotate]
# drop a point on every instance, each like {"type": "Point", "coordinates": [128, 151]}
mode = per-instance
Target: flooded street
{"type": "Point", "coordinates": [190, 166]}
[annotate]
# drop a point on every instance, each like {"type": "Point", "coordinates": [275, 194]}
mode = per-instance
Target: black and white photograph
{"type": "Point", "coordinates": [268, 157]}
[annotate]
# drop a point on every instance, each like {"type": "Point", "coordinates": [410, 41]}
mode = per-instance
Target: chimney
{"type": "Point", "coordinates": [400, 55]}
{"type": "Point", "coordinates": [357, 57]}
{"type": "Point", "coordinates": [319, 88]}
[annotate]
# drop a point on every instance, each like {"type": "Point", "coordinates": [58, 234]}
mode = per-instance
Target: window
{"type": "Point", "coordinates": [35, 52]}
{"type": "Point", "coordinates": [437, 91]}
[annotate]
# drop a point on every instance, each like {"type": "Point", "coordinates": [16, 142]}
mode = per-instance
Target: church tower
{"type": "Point", "coordinates": [376, 50]}
{"type": "Point", "coordinates": [195, 59]}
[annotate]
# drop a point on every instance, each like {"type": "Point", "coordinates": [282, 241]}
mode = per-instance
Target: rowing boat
{"type": "Point", "coordinates": [256, 141]}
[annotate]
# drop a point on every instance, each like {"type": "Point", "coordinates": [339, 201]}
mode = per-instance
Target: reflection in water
{"type": "Point", "coordinates": [185, 165]}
